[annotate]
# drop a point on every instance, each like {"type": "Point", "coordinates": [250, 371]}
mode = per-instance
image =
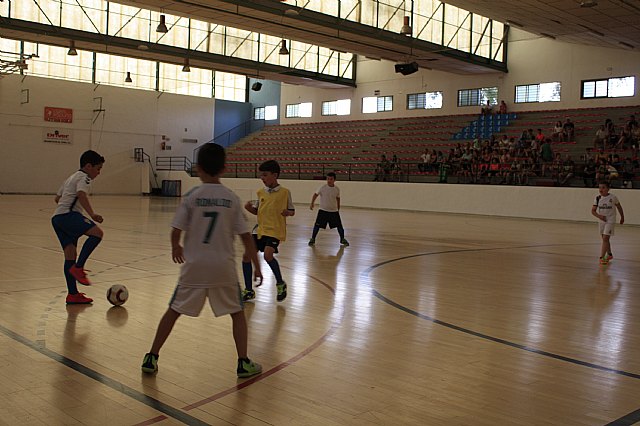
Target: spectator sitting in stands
{"type": "Point", "coordinates": [556, 167]}
{"type": "Point", "coordinates": [539, 136]}
{"type": "Point", "coordinates": [589, 173]}
{"type": "Point", "coordinates": [503, 142]}
{"type": "Point", "coordinates": [635, 139]}
{"type": "Point", "coordinates": [465, 167]}
{"type": "Point", "coordinates": [567, 171]}
{"type": "Point", "coordinates": [600, 141]}
{"type": "Point", "coordinates": [612, 173]}
{"type": "Point", "coordinates": [382, 169]}
{"type": "Point", "coordinates": [568, 130]}
{"type": "Point", "coordinates": [396, 169]}
{"type": "Point", "coordinates": [612, 134]}
{"type": "Point", "coordinates": [425, 158]}
{"type": "Point", "coordinates": [632, 122]}
{"type": "Point", "coordinates": [487, 109]}
{"type": "Point", "coordinates": [546, 155]}
{"type": "Point", "coordinates": [503, 108]}
{"type": "Point", "coordinates": [627, 172]}
{"type": "Point", "coordinates": [526, 137]}
{"type": "Point", "coordinates": [623, 139]}
{"type": "Point", "coordinates": [527, 171]}
{"type": "Point", "coordinates": [557, 133]}
{"type": "Point", "coordinates": [602, 173]}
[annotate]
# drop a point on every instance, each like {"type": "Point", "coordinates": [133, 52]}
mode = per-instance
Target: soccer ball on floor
{"type": "Point", "coordinates": [117, 294]}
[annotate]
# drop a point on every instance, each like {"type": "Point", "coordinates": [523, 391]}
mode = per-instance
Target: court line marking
{"type": "Point", "coordinates": [627, 419]}
{"type": "Point", "coordinates": [336, 324]}
{"type": "Point", "coordinates": [101, 378]}
{"type": "Point", "coordinates": [168, 410]}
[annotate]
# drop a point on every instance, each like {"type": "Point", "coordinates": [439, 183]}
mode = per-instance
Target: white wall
{"type": "Point", "coordinates": [532, 59]}
{"type": "Point", "coordinates": [572, 204]}
{"type": "Point", "coordinates": [131, 118]}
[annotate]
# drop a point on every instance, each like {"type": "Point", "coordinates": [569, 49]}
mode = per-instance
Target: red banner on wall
{"type": "Point", "coordinates": [58, 115]}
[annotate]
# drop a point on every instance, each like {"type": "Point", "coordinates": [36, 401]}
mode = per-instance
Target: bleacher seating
{"type": "Point", "coordinates": [354, 147]}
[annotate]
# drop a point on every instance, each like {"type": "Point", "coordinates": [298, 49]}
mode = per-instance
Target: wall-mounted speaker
{"type": "Point", "coordinates": [406, 69]}
{"type": "Point", "coordinates": [256, 86]}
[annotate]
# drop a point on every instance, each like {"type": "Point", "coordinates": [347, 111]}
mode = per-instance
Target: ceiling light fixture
{"type": "Point", "coordinates": [128, 79]}
{"type": "Point", "coordinates": [596, 33]}
{"type": "Point", "coordinates": [72, 49]}
{"type": "Point", "coordinates": [186, 67]}
{"type": "Point", "coordinates": [283, 49]}
{"type": "Point", "coordinates": [162, 26]}
{"type": "Point", "coordinates": [406, 28]}
{"type": "Point", "coordinates": [588, 3]}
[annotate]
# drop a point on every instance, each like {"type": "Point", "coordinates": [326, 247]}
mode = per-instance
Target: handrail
{"type": "Point", "coordinates": [155, 175]}
{"type": "Point", "coordinates": [546, 174]}
{"type": "Point", "coordinates": [174, 163]}
{"type": "Point", "coordinates": [233, 135]}
{"type": "Point", "coordinates": [530, 174]}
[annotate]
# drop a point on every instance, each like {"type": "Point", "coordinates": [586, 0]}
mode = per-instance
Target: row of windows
{"type": "Point", "coordinates": [102, 68]}
{"type": "Point", "coordinates": [541, 92]}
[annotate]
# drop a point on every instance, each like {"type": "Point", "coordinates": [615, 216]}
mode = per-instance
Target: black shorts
{"type": "Point", "coordinates": [71, 226]}
{"type": "Point", "coordinates": [265, 241]}
{"type": "Point", "coordinates": [325, 218]}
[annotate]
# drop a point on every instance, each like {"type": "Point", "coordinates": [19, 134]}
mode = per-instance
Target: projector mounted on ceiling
{"type": "Point", "coordinates": [406, 69]}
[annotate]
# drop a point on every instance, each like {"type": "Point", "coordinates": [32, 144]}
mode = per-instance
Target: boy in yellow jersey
{"type": "Point", "coordinates": [273, 206]}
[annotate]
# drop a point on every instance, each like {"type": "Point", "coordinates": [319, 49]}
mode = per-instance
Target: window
{"type": "Point", "coordinates": [543, 92]}
{"type": "Point", "coordinates": [477, 97]}
{"type": "Point", "coordinates": [267, 113]}
{"type": "Point", "coordinates": [608, 87]}
{"type": "Point", "coordinates": [341, 107]}
{"type": "Point", "coordinates": [373, 104]}
{"type": "Point", "coordinates": [299, 110]}
{"type": "Point", "coordinates": [271, 112]}
{"type": "Point", "coordinates": [429, 100]}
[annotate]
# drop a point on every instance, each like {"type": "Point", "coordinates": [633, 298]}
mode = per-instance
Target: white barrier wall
{"type": "Point", "coordinates": [572, 204]}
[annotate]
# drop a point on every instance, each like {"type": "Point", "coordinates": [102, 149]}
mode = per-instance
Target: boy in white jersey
{"type": "Point", "coordinates": [70, 224]}
{"type": "Point", "coordinates": [604, 208]}
{"type": "Point", "coordinates": [329, 212]}
{"type": "Point", "coordinates": [210, 216]}
{"type": "Point", "coordinates": [273, 207]}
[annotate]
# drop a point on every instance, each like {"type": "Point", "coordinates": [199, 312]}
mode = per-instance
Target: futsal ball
{"type": "Point", "coordinates": [117, 294]}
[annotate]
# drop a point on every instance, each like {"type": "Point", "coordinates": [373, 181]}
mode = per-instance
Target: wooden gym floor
{"type": "Point", "coordinates": [426, 319]}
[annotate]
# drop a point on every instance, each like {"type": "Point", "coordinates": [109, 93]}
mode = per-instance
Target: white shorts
{"type": "Point", "coordinates": [223, 300]}
{"type": "Point", "coordinates": [606, 228]}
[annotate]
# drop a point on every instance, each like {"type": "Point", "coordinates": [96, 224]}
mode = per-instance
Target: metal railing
{"type": "Point", "coordinates": [175, 164]}
{"type": "Point", "coordinates": [233, 135]}
{"type": "Point", "coordinates": [546, 174]}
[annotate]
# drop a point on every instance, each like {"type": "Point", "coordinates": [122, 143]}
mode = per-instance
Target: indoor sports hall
{"type": "Point", "coordinates": [468, 294]}
{"type": "Point", "coordinates": [426, 318]}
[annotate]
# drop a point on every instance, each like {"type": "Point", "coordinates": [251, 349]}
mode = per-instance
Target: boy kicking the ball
{"type": "Point", "coordinates": [210, 216]}
{"type": "Point", "coordinates": [70, 224]}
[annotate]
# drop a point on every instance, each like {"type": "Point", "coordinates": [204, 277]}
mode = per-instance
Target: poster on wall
{"type": "Point", "coordinates": [58, 115]}
{"type": "Point", "coordinates": [60, 136]}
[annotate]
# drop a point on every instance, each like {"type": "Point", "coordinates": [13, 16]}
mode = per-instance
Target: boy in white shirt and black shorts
{"type": "Point", "coordinates": [70, 224]}
{"type": "Point", "coordinates": [604, 208]}
{"type": "Point", "coordinates": [329, 212]}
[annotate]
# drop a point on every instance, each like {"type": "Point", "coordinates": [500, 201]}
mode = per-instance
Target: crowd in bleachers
{"type": "Point", "coordinates": [492, 147]}
{"type": "Point", "coordinates": [515, 161]}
